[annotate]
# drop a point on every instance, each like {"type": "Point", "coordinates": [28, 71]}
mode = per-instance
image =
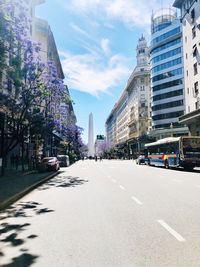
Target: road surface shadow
{"type": "Point", "coordinates": [23, 260]}
{"type": "Point", "coordinates": [63, 182]}
{"type": "Point", "coordinates": [10, 232]}
{"type": "Point", "coordinates": [21, 210]}
{"type": "Point", "coordinates": [176, 169]}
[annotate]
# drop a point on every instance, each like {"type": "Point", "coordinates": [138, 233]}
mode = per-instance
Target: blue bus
{"type": "Point", "coordinates": [174, 152]}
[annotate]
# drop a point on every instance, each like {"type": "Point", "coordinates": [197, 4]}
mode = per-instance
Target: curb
{"type": "Point", "coordinates": [29, 172]}
{"type": "Point", "coordinates": [27, 190]}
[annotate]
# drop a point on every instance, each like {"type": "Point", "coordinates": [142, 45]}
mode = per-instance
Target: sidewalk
{"type": "Point", "coordinates": [15, 185]}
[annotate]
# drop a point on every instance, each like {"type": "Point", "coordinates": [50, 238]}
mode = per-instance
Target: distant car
{"type": "Point", "coordinates": [140, 160]}
{"type": "Point", "coordinates": [50, 163]}
{"type": "Point", "coordinates": [63, 160]}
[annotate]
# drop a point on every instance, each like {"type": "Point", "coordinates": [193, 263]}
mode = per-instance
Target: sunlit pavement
{"type": "Point", "coordinates": [109, 213]}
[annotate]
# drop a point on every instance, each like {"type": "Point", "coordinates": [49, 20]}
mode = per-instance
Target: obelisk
{"type": "Point", "coordinates": [90, 137]}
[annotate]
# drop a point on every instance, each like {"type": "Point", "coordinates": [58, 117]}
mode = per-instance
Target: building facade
{"type": "Point", "coordinates": [130, 117]}
{"type": "Point", "coordinates": [41, 32]}
{"type": "Point", "coordinates": [167, 77]}
{"type": "Point", "coordinates": [99, 140]}
{"type": "Point", "coordinates": [190, 18]}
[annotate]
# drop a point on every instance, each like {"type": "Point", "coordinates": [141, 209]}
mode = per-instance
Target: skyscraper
{"type": "Point", "coordinates": [166, 57]}
{"type": "Point", "coordinates": [90, 137]}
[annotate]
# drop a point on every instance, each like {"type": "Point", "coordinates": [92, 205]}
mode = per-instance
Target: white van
{"type": "Point", "coordinates": [64, 160]}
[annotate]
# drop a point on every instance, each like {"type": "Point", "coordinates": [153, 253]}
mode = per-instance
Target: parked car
{"type": "Point", "coordinates": [63, 160]}
{"type": "Point", "coordinates": [140, 159]}
{"type": "Point", "coordinates": [50, 163]}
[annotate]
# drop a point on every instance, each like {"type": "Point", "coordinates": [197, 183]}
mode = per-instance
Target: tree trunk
{"type": "Point", "coordinates": [2, 156]}
{"type": "Point", "coordinates": [23, 155]}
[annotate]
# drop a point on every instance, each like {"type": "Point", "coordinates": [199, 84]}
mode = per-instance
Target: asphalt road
{"type": "Point", "coordinates": [106, 214]}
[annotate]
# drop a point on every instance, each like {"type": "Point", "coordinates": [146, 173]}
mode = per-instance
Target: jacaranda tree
{"type": "Point", "coordinates": [30, 92]}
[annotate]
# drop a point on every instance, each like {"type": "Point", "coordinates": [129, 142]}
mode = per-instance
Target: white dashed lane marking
{"type": "Point", "coordinates": [171, 231]}
{"type": "Point", "coordinates": [121, 187]}
{"type": "Point", "coordinates": [136, 200]}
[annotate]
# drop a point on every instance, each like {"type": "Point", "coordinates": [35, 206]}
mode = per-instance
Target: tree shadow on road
{"type": "Point", "coordinates": [22, 210]}
{"type": "Point", "coordinates": [23, 260]}
{"type": "Point", "coordinates": [63, 182]}
{"type": "Point", "coordinates": [10, 232]}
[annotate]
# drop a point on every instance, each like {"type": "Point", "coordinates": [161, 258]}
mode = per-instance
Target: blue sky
{"type": "Point", "coordinates": [96, 40]}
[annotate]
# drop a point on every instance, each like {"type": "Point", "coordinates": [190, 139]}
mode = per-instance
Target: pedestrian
{"type": "Point", "coordinates": [95, 158]}
{"type": "Point", "coordinates": [100, 158]}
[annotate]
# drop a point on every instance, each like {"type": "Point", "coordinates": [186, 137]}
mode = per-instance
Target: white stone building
{"type": "Point", "coordinates": [190, 18]}
{"type": "Point", "coordinates": [130, 117]}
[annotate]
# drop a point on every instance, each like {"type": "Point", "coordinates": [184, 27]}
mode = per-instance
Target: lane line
{"type": "Point", "coordinates": [114, 181]}
{"type": "Point", "coordinates": [136, 200]}
{"type": "Point", "coordinates": [171, 231]}
{"type": "Point", "coordinates": [121, 187]}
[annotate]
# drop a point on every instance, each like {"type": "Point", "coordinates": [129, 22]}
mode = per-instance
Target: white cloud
{"type": "Point", "coordinates": [105, 46]}
{"type": "Point", "coordinates": [84, 74]}
{"type": "Point", "coordinates": [130, 12]}
{"type": "Point", "coordinates": [79, 30]}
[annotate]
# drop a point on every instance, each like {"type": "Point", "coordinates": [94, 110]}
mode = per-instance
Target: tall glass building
{"type": "Point", "coordinates": [167, 84]}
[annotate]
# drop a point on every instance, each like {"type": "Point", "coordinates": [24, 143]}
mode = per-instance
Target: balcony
{"type": "Point", "coordinates": [132, 122]}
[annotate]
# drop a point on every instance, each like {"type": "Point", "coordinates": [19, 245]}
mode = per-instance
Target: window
{"type": "Point", "coordinates": [194, 50]}
{"type": "Point", "coordinates": [192, 15]}
{"type": "Point", "coordinates": [168, 95]}
{"type": "Point", "coordinates": [167, 55]}
{"type": "Point", "coordinates": [168, 115]}
{"type": "Point", "coordinates": [185, 39]}
{"type": "Point", "coordinates": [187, 72]}
{"type": "Point", "coordinates": [141, 51]}
{"type": "Point", "coordinates": [142, 80]}
{"type": "Point", "coordinates": [165, 35]}
{"type": "Point", "coordinates": [167, 75]}
{"type": "Point", "coordinates": [167, 65]}
{"type": "Point", "coordinates": [186, 56]}
{"type": "Point", "coordinates": [195, 68]}
{"type": "Point", "coordinates": [196, 105]}
{"type": "Point", "coordinates": [188, 108]}
{"type": "Point", "coordinates": [162, 47]}
{"type": "Point", "coordinates": [188, 90]}
{"type": "Point", "coordinates": [193, 32]}
{"type": "Point", "coordinates": [196, 88]}
{"type": "Point", "coordinates": [167, 85]}
{"type": "Point", "coordinates": [143, 105]}
{"type": "Point", "coordinates": [168, 105]}
{"type": "Point", "coordinates": [142, 88]}
{"type": "Point", "coordinates": [142, 69]}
